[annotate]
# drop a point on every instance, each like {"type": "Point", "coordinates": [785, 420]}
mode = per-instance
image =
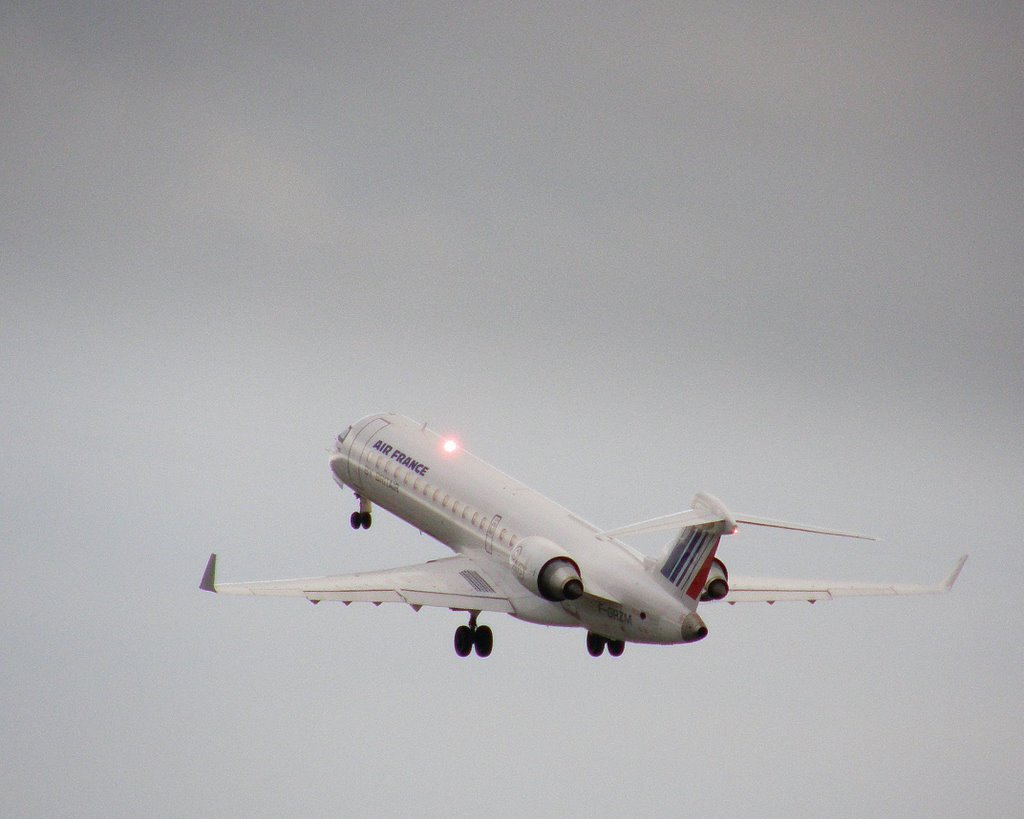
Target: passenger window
{"type": "Point", "coordinates": [456, 507]}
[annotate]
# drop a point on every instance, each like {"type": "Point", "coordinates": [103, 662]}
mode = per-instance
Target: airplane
{"type": "Point", "coordinates": [521, 554]}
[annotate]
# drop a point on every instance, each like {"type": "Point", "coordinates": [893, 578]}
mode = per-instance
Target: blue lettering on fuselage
{"type": "Point", "coordinates": [397, 455]}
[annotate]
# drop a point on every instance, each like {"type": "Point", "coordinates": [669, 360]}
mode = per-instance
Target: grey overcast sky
{"type": "Point", "coordinates": [627, 252]}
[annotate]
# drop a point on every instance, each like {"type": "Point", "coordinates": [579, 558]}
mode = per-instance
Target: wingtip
{"type": "Point", "coordinates": [209, 581]}
{"type": "Point", "coordinates": [953, 575]}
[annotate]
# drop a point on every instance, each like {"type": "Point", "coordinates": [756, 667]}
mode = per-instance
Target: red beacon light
{"type": "Point", "coordinates": [450, 445]}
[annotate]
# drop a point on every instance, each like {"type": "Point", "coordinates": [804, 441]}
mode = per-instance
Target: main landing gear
{"type": "Point", "coordinates": [468, 638]}
{"type": "Point", "coordinates": [596, 645]}
{"type": "Point", "coordinates": [362, 518]}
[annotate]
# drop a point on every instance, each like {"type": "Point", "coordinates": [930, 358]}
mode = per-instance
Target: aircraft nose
{"type": "Point", "coordinates": [338, 466]}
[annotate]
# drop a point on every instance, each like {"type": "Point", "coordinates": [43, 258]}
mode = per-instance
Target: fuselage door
{"type": "Point", "coordinates": [489, 537]}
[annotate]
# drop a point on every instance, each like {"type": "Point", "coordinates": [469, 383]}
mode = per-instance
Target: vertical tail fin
{"type": "Point", "coordinates": [688, 559]}
{"type": "Point", "coordinates": [688, 562]}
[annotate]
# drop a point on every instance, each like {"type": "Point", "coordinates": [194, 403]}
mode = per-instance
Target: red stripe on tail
{"type": "Point", "coordinates": [697, 586]}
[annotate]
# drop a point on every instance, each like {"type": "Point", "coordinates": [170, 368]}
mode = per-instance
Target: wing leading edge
{"type": "Point", "coordinates": [766, 590]}
{"type": "Point", "coordinates": [456, 583]}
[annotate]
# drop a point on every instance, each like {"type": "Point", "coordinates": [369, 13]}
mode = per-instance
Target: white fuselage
{"type": "Point", "coordinates": [475, 509]}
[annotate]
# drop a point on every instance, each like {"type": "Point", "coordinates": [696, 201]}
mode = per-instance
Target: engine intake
{"type": "Point", "coordinates": [545, 569]}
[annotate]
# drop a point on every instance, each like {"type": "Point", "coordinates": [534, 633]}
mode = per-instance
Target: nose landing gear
{"type": "Point", "coordinates": [363, 518]}
{"type": "Point", "coordinates": [473, 637]}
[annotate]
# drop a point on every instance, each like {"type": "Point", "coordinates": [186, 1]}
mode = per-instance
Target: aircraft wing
{"type": "Point", "coordinates": [765, 590]}
{"type": "Point", "coordinates": [457, 583]}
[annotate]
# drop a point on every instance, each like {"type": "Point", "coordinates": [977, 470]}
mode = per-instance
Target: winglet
{"type": "Point", "coordinates": [953, 575]}
{"type": "Point", "coordinates": [209, 582]}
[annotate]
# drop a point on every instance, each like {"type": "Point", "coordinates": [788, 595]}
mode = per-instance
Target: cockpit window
{"type": "Point", "coordinates": [344, 435]}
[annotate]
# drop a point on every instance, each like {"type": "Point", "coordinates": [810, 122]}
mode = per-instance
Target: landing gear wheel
{"type": "Point", "coordinates": [463, 641]}
{"type": "Point", "coordinates": [616, 647]}
{"type": "Point", "coordinates": [356, 520]}
{"type": "Point", "coordinates": [483, 641]}
{"type": "Point", "coordinates": [365, 519]}
{"type": "Point", "coordinates": [595, 644]}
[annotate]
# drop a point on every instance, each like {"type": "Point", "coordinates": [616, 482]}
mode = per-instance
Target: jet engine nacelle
{"type": "Point", "coordinates": [545, 569]}
{"type": "Point", "coordinates": [717, 585]}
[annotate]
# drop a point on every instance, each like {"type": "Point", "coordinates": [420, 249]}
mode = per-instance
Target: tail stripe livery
{"type": "Point", "coordinates": [673, 565]}
{"type": "Point", "coordinates": [703, 558]}
{"type": "Point", "coordinates": [690, 553]}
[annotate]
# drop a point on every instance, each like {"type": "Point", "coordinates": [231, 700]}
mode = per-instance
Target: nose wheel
{"type": "Point", "coordinates": [363, 518]}
{"type": "Point", "coordinates": [473, 638]}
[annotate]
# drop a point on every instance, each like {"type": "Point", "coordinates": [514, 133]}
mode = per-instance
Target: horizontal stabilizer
{"type": "Point", "coordinates": [799, 527]}
{"type": "Point", "coordinates": [678, 520]}
{"type": "Point", "coordinates": [707, 509]}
